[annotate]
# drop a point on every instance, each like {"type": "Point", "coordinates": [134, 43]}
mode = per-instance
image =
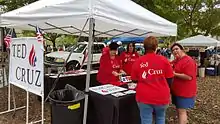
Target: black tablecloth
{"type": "Point", "coordinates": [102, 109]}
{"type": "Point", "coordinates": [78, 81]}
{"type": "Point", "coordinates": [109, 109]}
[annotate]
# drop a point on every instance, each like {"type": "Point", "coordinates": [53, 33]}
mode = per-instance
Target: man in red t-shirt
{"type": "Point", "coordinates": [110, 67]}
{"type": "Point", "coordinates": [184, 86]}
{"type": "Point", "coordinates": [153, 73]}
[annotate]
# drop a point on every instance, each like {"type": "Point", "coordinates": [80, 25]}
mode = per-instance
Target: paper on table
{"type": "Point", "coordinates": [106, 89]}
{"type": "Point", "coordinates": [118, 94]}
{"type": "Point", "coordinates": [130, 92]}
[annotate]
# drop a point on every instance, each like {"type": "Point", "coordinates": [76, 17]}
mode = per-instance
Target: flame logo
{"type": "Point", "coordinates": [104, 91]}
{"type": "Point", "coordinates": [144, 75]}
{"type": "Point", "coordinates": [32, 57]}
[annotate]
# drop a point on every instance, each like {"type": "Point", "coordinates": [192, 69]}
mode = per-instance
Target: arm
{"type": "Point", "coordinates": [121, 59]}
{"type": "Point", "coordinates": [169, 75]}
{"type": "Point", "coordinates": [115, 73]}
{"type": "Point", "coordinates": [182, 76]}
{"type": "Point", "coordinates": [169, 81]}
{"type": "Point", "coordinates": [187, 71]}
{"type": "Point", "coordinates": [122, 72]}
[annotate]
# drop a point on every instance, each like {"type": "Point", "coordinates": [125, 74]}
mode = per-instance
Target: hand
{"type": "Point", "coordinates": [115, 73]}
{"type": "Point", "coordinates": [122, 72]}
{"type": "Point", "coordinates": [174, 73]}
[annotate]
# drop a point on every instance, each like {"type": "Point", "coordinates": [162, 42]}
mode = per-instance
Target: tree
{"type": "Point", "coordinates": [52, 37]}
{"type": "Point", "coordinates": [9, 5]}
{"type": "Point", "coordinates": [67, 40]}
{"type": "Point", "coordinates": [149, 4]}
{"type": "Point", "coordinates": [193, 17]}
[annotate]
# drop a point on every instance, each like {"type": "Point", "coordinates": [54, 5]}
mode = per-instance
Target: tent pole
{"type": "Point", "coordinates": [91, 38]}
{"type": "Point", "coordinates": [63, 68]}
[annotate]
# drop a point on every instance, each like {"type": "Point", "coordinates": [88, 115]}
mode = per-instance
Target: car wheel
{"type": "Point", "coordinates": [72, 66]}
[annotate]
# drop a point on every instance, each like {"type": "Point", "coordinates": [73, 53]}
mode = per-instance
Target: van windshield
{"type": "Point", "coordinates": [77, 48]}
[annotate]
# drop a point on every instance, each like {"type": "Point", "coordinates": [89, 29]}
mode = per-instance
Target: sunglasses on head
{"type": "Point", "coordinates": [175, 49]}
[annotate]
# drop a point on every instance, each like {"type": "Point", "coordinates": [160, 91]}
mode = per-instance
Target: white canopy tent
{"type": "Point", "coordinates": [200, 41]}
{"type": "Point", "coordinates": [112, 18]}
{"type": "Point", "coordinates": [107, 18]}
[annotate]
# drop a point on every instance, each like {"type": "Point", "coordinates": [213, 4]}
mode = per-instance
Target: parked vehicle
{"type": "Point", "coordinates": [78, 58]}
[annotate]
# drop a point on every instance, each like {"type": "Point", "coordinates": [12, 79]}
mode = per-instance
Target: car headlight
{"type": "Point", "coordinates": [59, 60]}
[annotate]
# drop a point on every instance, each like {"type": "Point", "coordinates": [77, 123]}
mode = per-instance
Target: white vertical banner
{"type": "Point", "coordinates": [26, 64]}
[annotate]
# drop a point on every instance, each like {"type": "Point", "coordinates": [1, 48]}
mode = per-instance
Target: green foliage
{"type": "Point", "coordinates": [52, 37]}
{"type": "Point", "coordinates": [27, 33]}
{"type": "Point", "coordinates": [192, 16]}
{"type": "Point", "coordinates": [67, 40]}
{"type": "Point", "coordinates": [14, 4]}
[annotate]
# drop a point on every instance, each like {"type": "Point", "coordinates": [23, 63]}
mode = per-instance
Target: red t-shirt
{"type": "Point", "coordinates": [151, 71]}
{"type": "Point", "coordinates": [105, 50]}
{"type": "Point", "coordinates": [128, 60]}
{"type": "Point", "coordinates": [107, 66]}
{"type": "Point", "coordinates": [180, 87]}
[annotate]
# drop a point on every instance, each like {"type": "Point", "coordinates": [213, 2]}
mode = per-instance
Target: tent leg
{"type": "Point", "coordinates": [91, 38]}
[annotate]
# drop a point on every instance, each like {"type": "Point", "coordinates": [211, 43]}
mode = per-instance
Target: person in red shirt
{"type": "Point", "coordinates": [184, 86]}
{"type": "Point", "coordinates": [128, 58]}
{"type": "Point", "coordinates": [153, 73]}
{"type": "Point", "coordinates": [110, 67]}
{"type": "Point", "coordinates": [105, 50]}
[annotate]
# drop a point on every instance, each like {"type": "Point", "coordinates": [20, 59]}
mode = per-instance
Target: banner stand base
{"type": "Point", "coordinates": [11, 110]}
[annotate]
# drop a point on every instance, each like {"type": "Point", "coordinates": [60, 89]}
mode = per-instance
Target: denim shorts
{"type": "Point", "coordinates": [183, 102]}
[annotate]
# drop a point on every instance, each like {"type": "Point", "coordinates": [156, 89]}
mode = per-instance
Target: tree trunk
{"type": "Point", "coordinates": [54, 45]}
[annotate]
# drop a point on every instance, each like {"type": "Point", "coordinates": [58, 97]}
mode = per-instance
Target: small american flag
{"type": "Point", "coordinates": [39, 35]}
{"type": "Point", "coordinates": [7, 39]}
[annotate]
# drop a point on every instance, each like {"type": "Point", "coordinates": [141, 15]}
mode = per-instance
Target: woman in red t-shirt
{"type": "Point", "coordinates": [153, 73]}
{"type": "Point", "coordinates": [184, 85]}
{"type": "Point", "coordinates": [110, 67]}
{"type": "Point", "coordinates": [129, 57]}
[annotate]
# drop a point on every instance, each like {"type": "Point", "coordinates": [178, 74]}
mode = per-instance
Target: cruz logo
{"type": "Point", "coordinates": [32, 57]}
{"type": "Point", "coordinates": [144, 75]}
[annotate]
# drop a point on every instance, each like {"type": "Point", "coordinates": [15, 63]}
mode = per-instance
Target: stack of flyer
{"type": "Point", "coordinates": [106, 89]}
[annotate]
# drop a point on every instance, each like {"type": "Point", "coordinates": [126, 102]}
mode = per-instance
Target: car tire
{"type": "Point", "coordinates": [74, 65]}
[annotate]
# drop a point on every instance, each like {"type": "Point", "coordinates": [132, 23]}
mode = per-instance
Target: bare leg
{"type": "Point", "coordinates": [182, 115]}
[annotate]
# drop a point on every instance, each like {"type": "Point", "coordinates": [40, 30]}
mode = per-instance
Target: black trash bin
{"type": "Point", "coordinates": [67, 106]}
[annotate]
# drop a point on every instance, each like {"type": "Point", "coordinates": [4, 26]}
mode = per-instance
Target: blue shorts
{"type": "Point", "coordinates": [182, 102]}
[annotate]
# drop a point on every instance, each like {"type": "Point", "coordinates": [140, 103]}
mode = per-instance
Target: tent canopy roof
{"type": "Point", "coordinates": [112, 18]}
{"type": "Point", "coordinates": [126, 39]}
{"type": "Point", "coordinates": [199, 40]}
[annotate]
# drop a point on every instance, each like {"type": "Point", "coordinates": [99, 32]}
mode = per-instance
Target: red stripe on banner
{"type": "Point", "coordinates": [31, 55]}
{"type": "Point", "coordinates": [32, 59]}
